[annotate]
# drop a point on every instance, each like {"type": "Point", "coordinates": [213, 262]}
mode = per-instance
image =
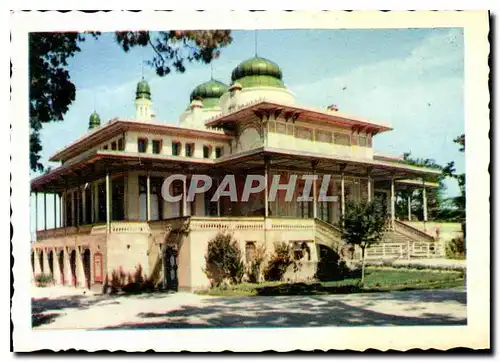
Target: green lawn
{"type": "Point", "coordinates": [376, 280]}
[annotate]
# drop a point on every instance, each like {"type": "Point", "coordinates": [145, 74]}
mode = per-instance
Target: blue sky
{"type": "Point", "coordinates": [410, 78]}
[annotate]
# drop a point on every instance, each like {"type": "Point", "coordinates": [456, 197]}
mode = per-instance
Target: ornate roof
{"type": "Point", "coordinates": [94, 120]}
{"type": "Point", "coordinates": [143, 90]}
{"type": "Point", "coordinates": [209, 92]}
{"type": "Point", "coordinates": [256, 72]}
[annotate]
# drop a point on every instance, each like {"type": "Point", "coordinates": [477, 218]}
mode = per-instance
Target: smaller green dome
{"type": "Point", "coordinates": [94, 120]}
{"type": "Point", "coordinates": [143, 90]}
{"type": "Point", "coordinates": [256, 71]}
{"type": "Point", "coordinates": [209, 92]}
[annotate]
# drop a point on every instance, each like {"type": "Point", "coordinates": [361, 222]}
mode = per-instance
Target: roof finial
{"type": "Point", "coordinates": [142, 69]}
{"type": "Point", "coordinates": [94, 102]}
{"type": "Point", "coordinates": [211, 70]}
{"type": "Point", "coordinates": [255, 40]}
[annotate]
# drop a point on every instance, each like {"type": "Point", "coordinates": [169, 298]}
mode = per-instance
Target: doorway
{"type": "Point", "coordinates": [86, 266]}
{"type": "Point", "coordinates": [170, 268]}
{"type": "Point", "coordinates": [72, 262]}
{"type": "Point", "coordinates": [61, 266]}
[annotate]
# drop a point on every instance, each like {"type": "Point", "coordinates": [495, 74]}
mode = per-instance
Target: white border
{"type": "Point", "coordinates": [475, 334]}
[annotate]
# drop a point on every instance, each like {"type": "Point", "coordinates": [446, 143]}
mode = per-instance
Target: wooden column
{"type": "Point", "coordinates": [409, 207]}
{"type": "Point", "coordinates": [424, 203]}
{"type": "Point", "coordinates": [84, 206]}
{"type": "Point", "coordinates": [184, 198]}
{"type": "Point", "coordinates": [148, 198]}
{"type": "Point", "coordinates": [55, 210]}
{"type": "Point", "coordinates": [65, 211]}
{"type": "Point", "coordinates": [369, 186]}
{"type": "Point", "coordinates": [60, 210]}
{"type": "Point", "coordinates": [218, 200]}
{"type": "Point", "coordinates": [45, 211]}
{"type": "Point", "coordinates": [266, 186]}
{"type": "Point", "coordinates": [393, 210]}
{"type": "Point", "coordinates": [315, 196]}
{"type": "Point", "coordinates": [342, 193]}
{"type": "Point", "coordinates": [36, 211]}
{"type": "Point", "coordinates": [108, 204]}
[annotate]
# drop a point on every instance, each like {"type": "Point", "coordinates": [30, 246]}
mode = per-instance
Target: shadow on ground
{"type": "Point", "coordinates": [46, 310]}
{"type": "Point", "coordinates": [304, 311]}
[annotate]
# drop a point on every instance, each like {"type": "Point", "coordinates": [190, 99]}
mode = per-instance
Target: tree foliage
{"type": "Point", "coordinates": [52, 92]}
{"type": "Point", "coordinates": [435, 196]}
{"type": "Point", "coordinates": [173, 48]}
{"type": "Point", "coordinates": [459, 202]}
{"type": "Point", "coordinates": [279, 261]}
{"type": "Point", "coordinates": [363, 224]}
{"type": "Point", "coordinates": [223, 260]}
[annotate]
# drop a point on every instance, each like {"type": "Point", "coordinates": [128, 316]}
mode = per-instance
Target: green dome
{"type": "Point", "coordinates": [94, 120]}
{"type": "Point", "coordinates": [143, 90]}
{"type": "Point", "coordinates": [256, 72]}
{"type": "Point", "coordinates": [209, 93]}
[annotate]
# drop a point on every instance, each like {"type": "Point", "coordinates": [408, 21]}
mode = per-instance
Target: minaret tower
{"type": "Point", "coordinates": [143, 102]}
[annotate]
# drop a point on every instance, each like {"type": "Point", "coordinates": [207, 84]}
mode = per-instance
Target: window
{"type": "Point", "coordinates": [176, 148]}
{"type": "Point", "coordinates": [218, 152]}
{"type": "Point", "coordinates": [207, 151]}
{"type": "Point", "coordinates": [250, 251]}
{"type": "Point", "coordinates": [120, 144]}
{"type": "Point", "coordinates": [157, 146]}
{"type": "Point", "coordinates": [117, 201]}
{"type": "Point", "coordinates": [105, 147]}
{"type": "Point", "coordinates": [142, 145]}
{"type": "Point", "coordinates": [189, 149]}
{"type": "Point", "coordinates": [362, 140]}
{"type": "Point", "coordinates": [342, 139]}
{"type": "Point", "coordinates": [323, 136]}
{"type": "Point", "coordinates": [354, 139]}
{"type": "Point", "coordinates": [113, 146]}
{"type": "Point", "coordinates": [280, 127]}
{"type": "Point", "coordinates": [301, 249]}
{"type": "Point", "coordinates": [303, 133]}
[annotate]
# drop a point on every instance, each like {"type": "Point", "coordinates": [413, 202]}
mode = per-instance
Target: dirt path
{"type": "Point", "coordinates": [73, 310]}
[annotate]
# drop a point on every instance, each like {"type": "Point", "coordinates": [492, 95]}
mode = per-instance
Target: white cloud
{"type": "Point", "coordinates": [420, 95]}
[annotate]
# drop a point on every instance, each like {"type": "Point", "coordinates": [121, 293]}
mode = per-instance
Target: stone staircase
{"type": "Point", "coordinates": [402, 242]}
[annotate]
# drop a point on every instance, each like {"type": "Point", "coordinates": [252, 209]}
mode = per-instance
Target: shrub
{"type": "Point", "coordinates": [254, 270]}
{"type": "Point", "coordinates": [279, 262]}
{"type": "Point", "coordinates": [330, 266]}
{"type": "Point", "coordinates": [43, 280]}
{"type": "Point", "coordinates": [455, 248]}
{"type": "Point", "coordinates": [127, 283]}
{"type": "Point", "coordinates": [223, 261]}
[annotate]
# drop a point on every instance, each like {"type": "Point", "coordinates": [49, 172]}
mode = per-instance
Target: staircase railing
{"type": "Point", "coordinates": [330, 231]}
{"type": "Point", "coordinates": [411, 232]}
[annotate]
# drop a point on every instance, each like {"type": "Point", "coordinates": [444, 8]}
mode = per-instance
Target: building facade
{"type": "Point", "coordinates": [108, 186]}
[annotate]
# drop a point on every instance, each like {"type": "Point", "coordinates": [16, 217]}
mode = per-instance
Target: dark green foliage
{"type": "Point", "coordinates": [455, 248]}
{"type": "Point", "coordinates": [435, 197]}
{"type": "Point", "coordinates": [363, 224]}
{"type": "Point", "coordinates": [127, 283]}
{"type": "Point", "coordinates": [172, 48]}
{"type": "Point", "coordinates": [458, 202]}
{"type": "Point", "coordinates": [51, 90]}
{"type": "Point", "coordinates": [43, 280]}
{"type": "Point", "coordinates": [330, 267]}
{"type": "Point", "coordinates": [377, 280]}
{"type": "Point", "coordinates": [279, 262]}
{"type": "Point", "coordinates": [223, 260]}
